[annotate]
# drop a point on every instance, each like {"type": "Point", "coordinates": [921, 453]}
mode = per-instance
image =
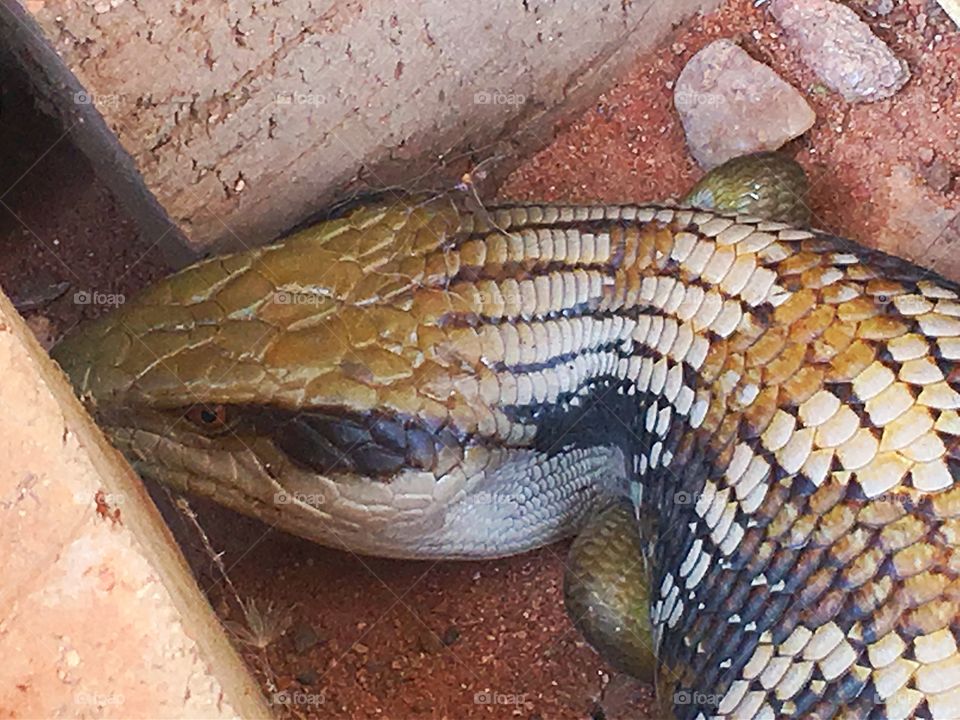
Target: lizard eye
{"type": "Point", "coordinates": [208, 417]}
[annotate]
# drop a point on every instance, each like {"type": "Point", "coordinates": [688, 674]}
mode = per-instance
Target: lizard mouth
{"type": "Point", "coordinates": [492, 502]}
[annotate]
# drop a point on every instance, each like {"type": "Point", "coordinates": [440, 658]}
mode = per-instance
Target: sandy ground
{"type": "Point", "coordinates": [371, 638]}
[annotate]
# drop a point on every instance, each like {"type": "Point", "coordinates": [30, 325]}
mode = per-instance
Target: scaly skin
{"type": "Point", "coordinates": [779, 404]}
{"type": "Point", "coordinates": [762, 184]}
{"type": "Point", "coordinates": [607, 589]}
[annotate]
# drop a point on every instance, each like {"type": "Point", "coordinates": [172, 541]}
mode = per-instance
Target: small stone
{"type": "Point", "coordinates": [429, 643]}
{"type": "Point", "coordinates": [307, 677]}
{"type": "Point", "coordinates": [841, 49]}
{"type": "Point", "coordinates": [879, 8]}
{"type": "Point", "coordinates": [624, 697]}
{"type": "Point", "coordinates": [360, 648]}
{"type": "Point", "coordinates": [938, 175]}
{"type": "Point", "coordinates": [304, 637]}
{"type": "Point", "coordinates": [422, 707]}
{"type": "Point", "coordinates": [450, 635]}
{"type": "Point", "coordinates": [732, 105]}
{"type": "Point", "coordinates": [43, 330]}
{"type": "Point", "coordinates": [926, 155]}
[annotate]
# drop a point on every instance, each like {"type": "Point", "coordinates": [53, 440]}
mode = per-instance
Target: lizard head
{"type": "Point", "coordinates": [321, 385]}
{"type": "Point", "coordinates": [280, 381]}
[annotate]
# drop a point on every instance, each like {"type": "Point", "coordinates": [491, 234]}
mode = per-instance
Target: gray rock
{"type": "Point", "coordinates": [429, 642]}
{"type": "Point", "coordinates": [840, 48]}
{"type": "Point", "coordinates": [879, 7]}
{"type": "Point", "coordinates": [450, 635]}
{"type": "Point", "coordinates": [938, 174]}
{"type": "Point", "coordinates": [732, 105]}
{"type": "Point", "coordinates": [304, 637]}
{"type": "Point", "coordinates": [307, 677]}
